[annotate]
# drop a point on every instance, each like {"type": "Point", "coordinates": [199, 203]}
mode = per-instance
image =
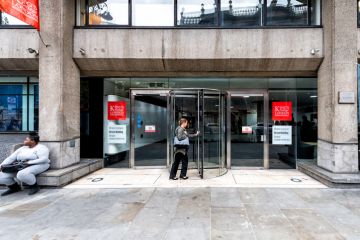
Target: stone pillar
{"type": "Point", "coordinates": [337, 136]}
{"type": "Point", "coordinates": [59, 80]}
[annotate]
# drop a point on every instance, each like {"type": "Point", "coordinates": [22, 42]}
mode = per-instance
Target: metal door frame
{"type": "Point", "coordinates": [133, 93]}
{"type": "Point", "coordinates": [249, 92]}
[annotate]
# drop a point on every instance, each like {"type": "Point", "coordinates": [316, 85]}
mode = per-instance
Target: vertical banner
{"type": "Point", "coordinates": [117, 110]}
{"type": "Point", "coordinates": [282, 111]}
{"type": "Point", "coordinates": [24, 10]}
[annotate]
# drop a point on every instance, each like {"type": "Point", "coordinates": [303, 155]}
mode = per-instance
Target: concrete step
{"type": "Point", "coordinates": [335, 180]}
{"type": "Point", "coordinates": [61, 177]}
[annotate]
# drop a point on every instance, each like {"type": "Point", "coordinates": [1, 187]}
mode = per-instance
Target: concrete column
{"type": "Point", "coordinates": [338, 143]}
{"type": "Point", "coordinates": [59, 79]}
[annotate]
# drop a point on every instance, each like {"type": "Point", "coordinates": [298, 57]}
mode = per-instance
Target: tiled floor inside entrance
{"type": "Point", "coordinates": [134, 178]}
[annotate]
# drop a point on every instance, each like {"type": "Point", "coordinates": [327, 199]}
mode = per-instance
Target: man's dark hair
{"type": "Point", "coordinates": [34, 137]}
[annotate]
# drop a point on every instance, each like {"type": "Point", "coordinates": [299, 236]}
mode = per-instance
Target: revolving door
{"type": "Point", "coordinates": [205, 110]}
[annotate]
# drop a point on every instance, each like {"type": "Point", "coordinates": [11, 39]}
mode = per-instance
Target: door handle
{"type": "Point", "coordinates": [263, 138]}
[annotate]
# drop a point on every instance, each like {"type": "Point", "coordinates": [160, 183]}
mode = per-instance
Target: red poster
{"type": "Point", "coordinates": [117, 110]}
{"type": "Point", "coordinates": [282, 111]}
{"type": "Point", "coordinates": [24, 10]}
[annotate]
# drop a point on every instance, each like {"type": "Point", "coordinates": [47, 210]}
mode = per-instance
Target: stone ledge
{"type": "Point", "coordinates": [335, 180]}
{"type": "Point", "coordinates": [61, 177]}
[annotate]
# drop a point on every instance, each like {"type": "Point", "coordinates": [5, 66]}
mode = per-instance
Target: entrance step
{"type": "Point", "coordinates": [140, 178]}
{"type": "Point", "coordinates": [64, 176]}
{"type": "Point", "coordinates": [335, 180]}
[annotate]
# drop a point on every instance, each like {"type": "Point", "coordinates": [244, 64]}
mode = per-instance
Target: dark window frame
{"type": "Point", "coordinates": [217, 24]}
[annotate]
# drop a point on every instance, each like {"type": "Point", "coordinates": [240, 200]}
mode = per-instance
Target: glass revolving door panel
{"type": "Point", "coordinates": [205, 111]}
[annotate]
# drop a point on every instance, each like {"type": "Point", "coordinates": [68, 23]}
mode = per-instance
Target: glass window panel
{"type": "Point", "coordinates": [315, 12]}
{"type": "Point", "coordinates": [34, 79]}
{"type": "Point", "coordinates": [153, 12]}
{"type": "Point", "coordinates": [13, 79]}
{"type": "Point", "coordinates": [10, 20]}
{"type": "Point", "coordinates": [359, 12]}
{"type": "Point", "coordinates": [11, 113]}
{"type": "Point", "coordinates": [241, 13]}
{"type": "Point", "coordinates": [192, 13]}
{"type": "Point", "coordinates": [210, 83]}
{"type": "Point", "coordinates": [108, 12]}
{"type": "Point", "coordinates": [149, 83]}
{"type": "Point", "coordinates": [241, 83]}
{"type": "Point", "coordinates": [307, 124]}
{"type": "Point", "coordinates": [80, 12]}
{"type": "Point", "coordinates": [13, 89]}
{"type": "Point", "coordinates": [279, 83]}
{"type": "Point", "coordinates": [287, 12]}
{"type": "Point", "coordinates": [117, 86]}
{"type": "Point", "coordinates": [358, 82]}
{"type": "Point", "coordinates": [281, 155]}
{"type": "Point", "coordinates": [309, 83]}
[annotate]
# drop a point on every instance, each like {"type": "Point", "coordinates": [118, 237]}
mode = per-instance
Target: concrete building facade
{"type": "Point", "coordinates": [259, 60]}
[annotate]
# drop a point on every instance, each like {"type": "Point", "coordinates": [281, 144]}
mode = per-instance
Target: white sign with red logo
{"type": "Point", "coordinates": [246, 129]}
{"type": "Point", "coordinates": [150, 128]}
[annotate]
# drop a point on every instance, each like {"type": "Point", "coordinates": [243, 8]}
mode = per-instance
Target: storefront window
{"type": "Point", "coordinates": [19, 104]}
{"type": "Point", "coordinates": [116, 122]}
{"type": "Point", "coordinates": [291, 137]}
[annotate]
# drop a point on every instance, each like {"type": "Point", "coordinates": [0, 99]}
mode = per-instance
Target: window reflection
{"type": "Point", "coordinates": [241, 13]}
{"type": "Point", "coordinates": [287, 12]}
{"type": "Point", "coordinates": [233, 13]}
{"type": "Point", "coordinates": [7, 19]}
{"type": "Point", "coordinates": [192, 13]}
{"type": "Point", "coordinates": [153, 12]}
{"type": "Point", "coordinates": [19, 105]}
{"type": "Point", "coordinates": [358, 18]}
{"type": "Point", "coordinates": [108, 12]}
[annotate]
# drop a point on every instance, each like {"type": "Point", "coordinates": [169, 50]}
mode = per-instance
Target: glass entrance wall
{"type": "Point", "coordinates": [301, 92]}
{"type": "Point", "coordinates": [213, 137]}
{"type": "Point", "coordinates": [247, 130]}
{"type": "Point", "coordinates": [116, 132]}
{"type": "Point", "coordinates": [150, 121]}
{"type": "Point", "coordinates": [185, 104]}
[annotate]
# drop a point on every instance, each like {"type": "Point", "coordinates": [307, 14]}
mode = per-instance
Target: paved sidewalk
{"type": "Point", "coordinates": [181, 213]}
{"type": "Point", "coordinates": [125, 178]}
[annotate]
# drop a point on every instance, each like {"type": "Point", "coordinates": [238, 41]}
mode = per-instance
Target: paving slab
{"type": "Point", "coordinates": [181, 213]}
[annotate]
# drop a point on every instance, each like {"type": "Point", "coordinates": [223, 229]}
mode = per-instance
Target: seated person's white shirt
{"type": "Point", "coordinates": [36, 155]}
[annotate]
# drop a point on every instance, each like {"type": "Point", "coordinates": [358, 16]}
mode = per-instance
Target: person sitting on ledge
{"type": "Point", "coordinates": [35, 158]}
